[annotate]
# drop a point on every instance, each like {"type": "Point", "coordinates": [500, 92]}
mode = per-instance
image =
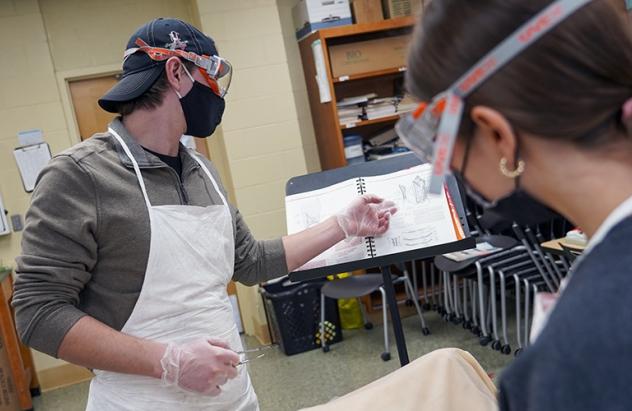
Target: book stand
{"type": "Point", "coordinates": [323, 179]}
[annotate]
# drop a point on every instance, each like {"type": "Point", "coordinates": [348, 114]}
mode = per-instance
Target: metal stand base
{"type": "Point", "coordinates": [397, 321]}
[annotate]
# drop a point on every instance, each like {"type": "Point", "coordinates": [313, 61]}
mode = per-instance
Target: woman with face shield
{"type": "Point", "coordinates": [529, 103]}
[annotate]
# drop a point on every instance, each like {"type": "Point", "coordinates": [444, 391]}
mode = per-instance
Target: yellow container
{"type": "Point", "coordinates": [348, 308]}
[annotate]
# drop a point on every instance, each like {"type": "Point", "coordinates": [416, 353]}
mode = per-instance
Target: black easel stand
{"type": "Point", "coordinates": [400, 340]}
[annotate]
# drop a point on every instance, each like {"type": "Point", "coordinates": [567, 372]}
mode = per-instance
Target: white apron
{"type": "Point", "coordinates": [184, 297]}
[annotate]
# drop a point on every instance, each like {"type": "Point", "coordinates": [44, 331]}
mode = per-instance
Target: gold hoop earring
{"type": "Point", "coordinates": [511, 173]}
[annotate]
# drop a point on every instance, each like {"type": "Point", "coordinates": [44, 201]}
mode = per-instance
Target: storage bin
{"type": "Point", "coordinates": [293, 314]}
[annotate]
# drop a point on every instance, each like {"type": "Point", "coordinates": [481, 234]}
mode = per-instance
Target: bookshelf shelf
{"type": "Point", "coordinates": [354, 29]}
{"type": "Point", "coordinates": [361, 123]}
{"type": "Point", "coordinates": [370, 74]}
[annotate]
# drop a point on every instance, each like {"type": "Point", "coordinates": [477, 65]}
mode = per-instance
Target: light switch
{"type": "Point", "coordinates": [16, 222]}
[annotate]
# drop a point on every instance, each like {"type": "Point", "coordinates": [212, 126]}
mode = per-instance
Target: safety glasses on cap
{"type": "Point", "coordinates": [431, 130]}
{"type": "Point", "coordinates": [217, 71]}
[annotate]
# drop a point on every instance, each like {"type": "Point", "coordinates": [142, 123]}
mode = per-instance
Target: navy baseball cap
{"type": "Point", "coordinates": [140, 72]}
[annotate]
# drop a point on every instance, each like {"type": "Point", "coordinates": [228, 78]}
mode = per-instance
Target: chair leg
{"type": "Point", "coordinates": [455, 289]}
{"type": "Point", "coordinates": [481, 303]}
{"type": "Point", "coordinates": [445, 282]}
{"type": "Point", "coordinates": [386, 355]}
{"type": "Point", "coordinates": [323, 343]}
{"type": "Point", "coordinates": [424, 283]}
{"type": "Point", "coordinates": [433, 294]}
{"type": "Point", "coordinates": [404, 270]}
{"type": "Point", "coordinates": [518, 315]}
{"type": "Point", "coordinates": [408, 284]}
{"type": "Point", "coordinates": [506, 348]}
{"type": "Point", "coordinates": [415, 280]}
{"type": "Point", "coordinates": [474, 297]}
{"type": "Point", "coordinates": [367, 324]}
{"type": "Point", "coordinates": [492, 298]}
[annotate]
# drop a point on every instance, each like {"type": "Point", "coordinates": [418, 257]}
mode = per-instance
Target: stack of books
{"type": "Point", "coordinates": [381, 107]}
{"type": "Point", "coordinates": [406, 104]}
{"type": "Point", "coordinates": [349, 115]}
{"type": "Point", "coordinates": [370, 107]}
{"type": "Point", "coordinates": [351, 109]}
{"type": "Point", "coordinates": [384, 144]}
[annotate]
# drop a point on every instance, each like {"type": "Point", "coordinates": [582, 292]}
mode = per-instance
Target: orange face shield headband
{"type": "Point", "coordinates": [216, 70]}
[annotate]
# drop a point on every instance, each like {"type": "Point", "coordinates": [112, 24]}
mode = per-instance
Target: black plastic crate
{"type": "Point", "coordinates": [293, 312]}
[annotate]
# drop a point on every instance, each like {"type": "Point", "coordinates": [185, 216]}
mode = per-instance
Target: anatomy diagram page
{"type": "Point", "coordinates": [422, 220]}
{"type": "Point", "coordinates": [307, 209]}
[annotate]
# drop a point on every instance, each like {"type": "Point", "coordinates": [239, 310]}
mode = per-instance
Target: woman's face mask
{"type": "Point", "coordinates": [516, 206]}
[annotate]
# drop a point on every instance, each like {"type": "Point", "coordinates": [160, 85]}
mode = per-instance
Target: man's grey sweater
{"type": "Point", "coordinates": [87, 237]}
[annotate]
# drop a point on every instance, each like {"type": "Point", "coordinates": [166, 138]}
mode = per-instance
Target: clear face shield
{"type": "Point", "coordinates": [431, 130]}
{"type": "Point", "coordinates": [216, 70]}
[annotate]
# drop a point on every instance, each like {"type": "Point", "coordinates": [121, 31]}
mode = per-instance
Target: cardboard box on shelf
{"type": "Point", "coordinates": [8, 392]}
{"type": "Point", "coordinates": [367, 11]}
{"type": "Point", "coordinates": [312, 15]}
{"type": "Point", "coordinates": [366, 56]}
{"type": "Point", "coordinates": [401, 8]}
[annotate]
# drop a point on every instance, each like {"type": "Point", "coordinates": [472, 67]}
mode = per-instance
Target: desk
{"type": "Point", "coordinates": [554, 247]}
{"type": "Point", "coordinates": [20, 359]}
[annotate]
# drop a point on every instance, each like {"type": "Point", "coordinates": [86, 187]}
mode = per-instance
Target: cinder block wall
{"type": "Point", "coordinates": [267, 136]}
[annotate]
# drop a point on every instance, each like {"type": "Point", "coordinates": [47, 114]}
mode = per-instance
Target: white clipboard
{"type": "Point", "coordinates": [31, 160]}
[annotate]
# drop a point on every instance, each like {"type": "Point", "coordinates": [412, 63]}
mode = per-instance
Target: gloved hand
{"type": "Point", "coordinates": [366, 216]}
{"type": "Point", "coordinates": [201, 366]}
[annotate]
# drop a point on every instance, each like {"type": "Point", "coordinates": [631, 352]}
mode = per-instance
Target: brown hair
{"type": "Point", "coordinates": [151, 98]}
{"type": "Point", "coordinates": [571, 84]}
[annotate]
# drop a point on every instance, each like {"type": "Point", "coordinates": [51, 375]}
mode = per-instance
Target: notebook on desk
{"type": "Point", "coordinates": [423, 220]}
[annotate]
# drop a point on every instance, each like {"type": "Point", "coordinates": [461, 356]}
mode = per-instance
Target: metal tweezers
{"type": "Point", "coordinates": [252, 350]}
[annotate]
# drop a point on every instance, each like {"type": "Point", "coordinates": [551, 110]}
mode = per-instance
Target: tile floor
{"type": "Point", "coordinates": [288, 383]}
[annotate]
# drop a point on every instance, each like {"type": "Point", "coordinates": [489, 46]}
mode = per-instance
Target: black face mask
{"type": "Point", "coordinates": [517, 206]}
{"type": "Point", "coordinates": [203, 110]}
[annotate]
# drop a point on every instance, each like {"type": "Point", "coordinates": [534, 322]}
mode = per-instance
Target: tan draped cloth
{"type": "Point", "coordinates": [444, 380]}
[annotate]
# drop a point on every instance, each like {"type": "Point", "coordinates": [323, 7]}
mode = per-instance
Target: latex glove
{"type": "Point", "coordinates": [201, 366]}
{"type": "Point", "coordinates": [366, 216]}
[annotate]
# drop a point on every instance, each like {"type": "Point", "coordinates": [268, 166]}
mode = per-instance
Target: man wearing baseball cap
{"type": "Point", "coordinates": [130, 242]}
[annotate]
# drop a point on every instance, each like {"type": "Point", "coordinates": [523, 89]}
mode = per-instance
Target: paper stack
{"type": "Point", "coordinates": [381, 107]}
{"type": "Point", "coordinates": [351, 109]}
{"type": "Point", "coordinates": [406, 104]}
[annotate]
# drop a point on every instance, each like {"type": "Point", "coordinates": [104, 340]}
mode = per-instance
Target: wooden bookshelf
{"type": "Point", "coordinates": [329, 132]}
{"type": "Point", "coordinates": [362, 123]}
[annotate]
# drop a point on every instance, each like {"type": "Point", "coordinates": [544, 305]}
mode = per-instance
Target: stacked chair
{"type": "Point", "coordinates": [477, 292]}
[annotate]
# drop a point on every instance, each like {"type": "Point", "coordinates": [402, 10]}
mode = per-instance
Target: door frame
{"type": "Point", "coordinates": [63, 84]}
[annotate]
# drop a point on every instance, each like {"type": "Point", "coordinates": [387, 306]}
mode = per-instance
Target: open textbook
{"type": "Point", "coordinates": [422, 220]}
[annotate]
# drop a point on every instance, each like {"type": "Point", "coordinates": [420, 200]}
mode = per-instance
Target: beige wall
{"type": "Point", "coordinates": [29, 99]}
{"type": "Point", "coordinates": [266, 136]}
{"type": "Point", "coordinates": [89, 33]}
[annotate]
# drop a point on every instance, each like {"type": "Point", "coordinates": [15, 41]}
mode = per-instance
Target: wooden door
{"type": "Point", "coordinates": [90, 117]}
